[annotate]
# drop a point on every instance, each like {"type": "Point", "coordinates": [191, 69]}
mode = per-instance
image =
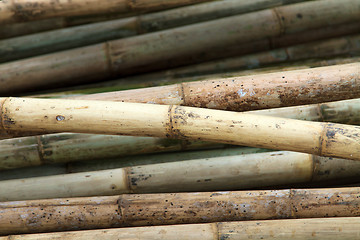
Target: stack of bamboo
{"type": "Point", "coordinates": [230, 111]}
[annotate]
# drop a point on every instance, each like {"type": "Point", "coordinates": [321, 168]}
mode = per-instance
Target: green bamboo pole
{"type": "Point", "coordinates": [67, 147]}
{"type": "Point", "coordinates": [175, 208]}
{"type": "Point", "coordinates": [155, 50]}
{"type": "Point", "coordinates": [25, 10]}
{"type": "Point", "coordinates": [316, 228]}
{"type": "Point", "coordinates": [214, 174]}
{"type": "Point", "coordinates": [120, 118]}
{"type": "Point", "coordinates": [57, 40]}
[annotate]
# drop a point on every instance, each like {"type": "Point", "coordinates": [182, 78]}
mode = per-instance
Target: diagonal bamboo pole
{"type": "Point", "coordinates": [214, 174]}
{"type": "Point", "coordinates": [175, 208]}
{"type": "Point", "coordinates": [324, 139]}
{"type": "Point", "coordinates": [30, 10]}
{"type": "Point", "coordinates": [315, 228]}
{"type": "Point", "coordinates": [155, 51]}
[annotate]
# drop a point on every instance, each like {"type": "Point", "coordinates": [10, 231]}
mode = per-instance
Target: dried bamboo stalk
{"type": "Point", "coordinates": [117, 118]}
{"type": "Point", "coordinates": [66, 147]}
{"type": "Point", "coordinates": [315, 228]}
{"type": "Point", "coordinates": [246, 93]}
{"type": "Point", "coordinates": [214, 174]}
{"type": "Point", "coordinates": [155, 51]}
{"type": "Point", "coordinates": [41, 43]}
{"type": "Point", "coordinates": [175, 208]}
{"type": "Point", "coordinates": [30, 10]}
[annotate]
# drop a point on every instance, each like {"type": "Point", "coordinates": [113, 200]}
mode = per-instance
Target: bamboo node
{"type": "Point", "coordinates": [280, 20]}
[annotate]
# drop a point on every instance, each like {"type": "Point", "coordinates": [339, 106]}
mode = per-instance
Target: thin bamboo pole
{"type": "Point", "coordinates": [175, 208]}
{"type": "Point", "coordinates": [214, 174]}
{"type": "Point", "coordinates": [155, 51]}
{"type": "Point", "coordinates": [117, 118]}
{"type": "Point", "coordinates": [41, 43]}
{"type": "Point", "coordinates": [252, 92]}
{"type": "Point", "coordinates": [30, 10]}
{"type": "Point", "coordinates": [316, 228]}
{"type": "Point", "coordinates": [67, 147]}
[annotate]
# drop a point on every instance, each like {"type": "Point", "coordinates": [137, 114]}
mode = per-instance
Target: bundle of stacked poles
{"type": "Point", "coordinates": [180, 119]}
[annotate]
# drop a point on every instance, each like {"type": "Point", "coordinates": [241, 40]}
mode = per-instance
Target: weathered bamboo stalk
{"type": "Point", "coordinates": [41, 43]}
{"type": "Point", "coordinates": [155, 51]}
{"type": "Point", "coordinates": [245, 93]}
{"type": "Point", "coordinates": [119, 118]}
{"type": "Point", "coordinates": [315, 228]}
{"type": "Point", "coordinates": [175, 208]}
{"type": "Point", "coordinates": [66, 147]}
{"type": "Point", "coordinates": [30, 10]}
{"type": "Point", "coordinates": [214, 174]}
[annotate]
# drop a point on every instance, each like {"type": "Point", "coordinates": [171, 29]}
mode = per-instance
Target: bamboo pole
{"type": "Point", "coordinates": [246, 93]}
{"type": "Point", "coordinates": [117, 118]}
{"type": "Point", "coordinates": [30, 10]}
{"type": "Point", "coordinates": [67, 147]}
{"type": "Point", "coordinates": [155, 50]}
{"type": "Point", "coordinates": [52, 41]}
{"type": "Point", "coordinates": [175, 208]}
{"type": "Point", "coordinates": [316, 228]}
{"type": "Point", "coordinates": [214, 174]}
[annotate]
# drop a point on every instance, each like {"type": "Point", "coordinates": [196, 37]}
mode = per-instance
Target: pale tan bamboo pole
{"type": "Point", "coordinates": [30, 10]}
{"type": "Point", "coordinates": [155, 51]}
{"type": "Point", "coordinates": [214, 174]}
{"type": "Point", "coordinates": [246, 93]}
{"type": "Point", "coordinates": [175, 208]}
{"type": "Point", "coordinates": [315, 228]}
{"type": "Point", "coordinates": [117, 118]}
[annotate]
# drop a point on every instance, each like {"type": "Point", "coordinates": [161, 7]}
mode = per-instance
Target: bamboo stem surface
{"type": "Point", "coordinates": [175, 208]}
{"type": "Point", "coordinates": [117, 118]}
{"type": "Point", "coordinates": [214, 174]}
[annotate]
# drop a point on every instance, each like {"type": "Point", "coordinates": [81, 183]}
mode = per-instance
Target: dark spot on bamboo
{"type": "Point", "coordinates": [299, 15]}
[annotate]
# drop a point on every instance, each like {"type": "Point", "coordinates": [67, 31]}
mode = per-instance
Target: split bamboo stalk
{"type": "Point", "coordinates": [213, 174]}
{"type": "Point", "coordinates": [66, 147]}
{"type": "Point", "coordinates": [315, 228]}
{"type": "Point", "coordinates": [52, 41]}
{"type": "Point", "coordinates": [175, 208]}
{"type": "Point", "coordinates": [246, 93]}
{"type": "Point", "coordinates": [119, 118]}
{"type": "Point", "coordinates": [154, 51]}
{"type": "Point", "coordinates": [30, 10]}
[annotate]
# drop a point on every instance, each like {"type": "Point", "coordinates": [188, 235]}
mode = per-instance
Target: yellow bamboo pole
{"type": "Point", "coordinates": [175, 208]}
{"type": "Point", "coordinates": [117, 118]}
{"type": "Point", "coordinates": [316, 228]}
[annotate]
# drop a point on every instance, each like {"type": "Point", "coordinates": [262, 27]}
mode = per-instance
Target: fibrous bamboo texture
{"type": "Point", "coordinates": [252, 92]}
{"type": "Point", "coordinates": [30, 10]}
{"type": "Point", "coordinates": [67, 147]}
{"type": "Point", "coordinates": [117, 118]}
{"type": "Point", "coordinates": [214, 174]}
{"type": "Point", "coordinates": [175, 208]}
{"type": "Point", "coordinates": [316, 228]}
{"type": "Point", "coordinates": [155, 51]}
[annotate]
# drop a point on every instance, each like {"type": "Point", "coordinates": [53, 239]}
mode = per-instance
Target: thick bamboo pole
{"type": "Point", "coordinates": [175, 208]}
{"type": "Point", "coordinates": [315, 228]}
{"type": "Point", "coordinates": [67, 147]}
{"type": "Point", "coordinates": [155, 51]}
{"type": "Point", "coordinates": [118, 118]}
{"type": "Point", "coordinates": [52, 41]}
{"type": "Point", "coordinates": [245, 93]}
{"type": "Point", "coordinates": [30, 10]}
{"type": "Point", "coordinates": [214, 174]}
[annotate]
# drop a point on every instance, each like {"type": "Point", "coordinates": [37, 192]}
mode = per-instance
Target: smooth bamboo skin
{"type": "Point", "coordinates": [155, 51]}
{"type": "Point", "coordinates": [30, 10]}
{"type": "Point", "coordinates": [175, 208]}
{"type": "Point", "coordinates": [118, 118]}
{"type": "Point", "coordinates": [214, 174]}
{"type": "Point", "coordinates": [57, 40]}
{"type": "Point", "coordinates": [252, 92]}
{"type": "Point", "coordinates": [315, 228]}
{"type": "Point", "coordinates": [67, 147]}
